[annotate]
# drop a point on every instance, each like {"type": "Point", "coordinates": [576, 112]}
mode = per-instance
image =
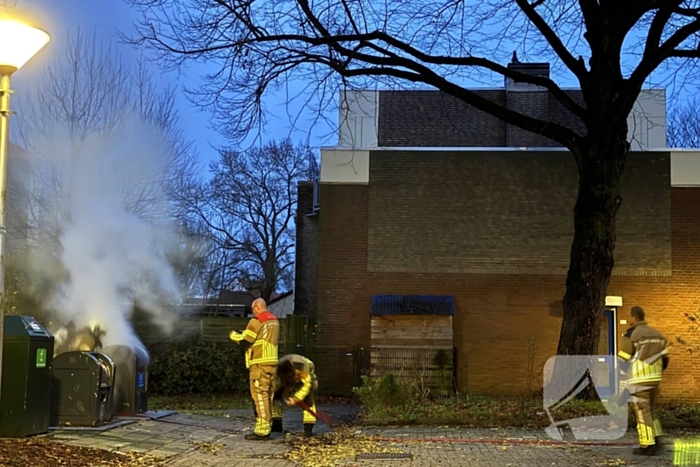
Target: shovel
{"type": "Point", "coordinates": [321, 416]}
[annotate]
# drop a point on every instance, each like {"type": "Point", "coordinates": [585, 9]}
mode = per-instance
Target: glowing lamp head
{"type": "Point", "coordinates": [19, 42]}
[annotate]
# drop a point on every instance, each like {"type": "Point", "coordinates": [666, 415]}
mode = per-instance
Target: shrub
{"type": "Point", "coordinates": [197, 367]}
{"type": "Point", "coordinates": [385, 397]}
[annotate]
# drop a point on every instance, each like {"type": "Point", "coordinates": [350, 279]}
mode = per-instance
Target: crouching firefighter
{"type": "Point", "coordinates": [646, 353]}
{"type": "Point", "coordinates": [260, 339]}
{"type": "Point", "coordinates": [295, 382]}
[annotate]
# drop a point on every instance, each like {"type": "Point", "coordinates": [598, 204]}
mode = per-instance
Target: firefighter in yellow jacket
{"type": "Point", "coordinates": [261, 338]}
{"type": "Point", "coordinates": [295, 381]}
{"type": "Point", "coordinates": [645, 350]}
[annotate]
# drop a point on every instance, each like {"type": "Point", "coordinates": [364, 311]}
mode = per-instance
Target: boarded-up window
{"type": "Point", "coordinates": [425, 331]}
{"type": "Point", "coordinates": [412, 339]}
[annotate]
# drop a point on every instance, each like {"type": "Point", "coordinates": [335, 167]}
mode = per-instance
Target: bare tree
{"type": "Point", "coordinates": [90, 90]}
{"type": "Point", "coordinates": [610, 47]}
{"type": "Point", "coordinates": [196, 261]}
{"type": "Point", "coordinates": [683, 127]}
{"type": "Point", "coordinates": [248, 207]}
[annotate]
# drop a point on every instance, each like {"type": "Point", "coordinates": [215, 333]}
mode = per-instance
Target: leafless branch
{"type": "Point", "coordinates": [259, 46]}
{"type": "Point", "coordinates": [89, 91]}
{"type": "Point", "coordinates": [248, 209]}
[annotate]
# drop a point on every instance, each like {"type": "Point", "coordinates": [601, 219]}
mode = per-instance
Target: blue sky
{"type": "Point", "coordinates": [106, 18]}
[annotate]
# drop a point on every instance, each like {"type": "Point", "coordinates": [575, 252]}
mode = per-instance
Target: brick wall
{"type": "Point", "coordinates": [306, 252]}
{"type": "Point", "coordinates": [343, 301]}
{"type": "Point", "coordinates": [505, 213]}
{"type": "Point", "coordinates": [498, 315]}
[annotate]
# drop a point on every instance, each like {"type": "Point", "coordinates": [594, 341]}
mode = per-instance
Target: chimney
{"type": "Point", "coordinates": [529, 100]}
{"type": "Point", "coordinates": [530, 69]}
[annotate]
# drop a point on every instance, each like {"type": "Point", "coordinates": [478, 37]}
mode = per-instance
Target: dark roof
{"type": "Point", "coordinates": [277, 297]}
{"type": "Point", "coordinates": [233, 297]}
{"type": "Point", "coordinates": [412, 305]}
{"type": "Point", "coordinates": [429, 118]}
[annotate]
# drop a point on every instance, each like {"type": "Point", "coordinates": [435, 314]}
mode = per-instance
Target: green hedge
{"type": "Point", "coordinates": [197, 367]}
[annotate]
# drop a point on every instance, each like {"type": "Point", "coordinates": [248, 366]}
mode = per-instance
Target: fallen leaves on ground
{"type": "Point", "coordinates": [505, 411]}
{"type": "Point", "coordinates": [210, 447]}
{"type": "Point", "coordinates": [329, 449]}
{"type": "Point", "coordinates": [44, 453]}
{"type": "Point", "coordinates": [615, 462]}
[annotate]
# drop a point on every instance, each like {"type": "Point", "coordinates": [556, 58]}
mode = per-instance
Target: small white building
{"type": "Point", "coordinates": [282, 305]}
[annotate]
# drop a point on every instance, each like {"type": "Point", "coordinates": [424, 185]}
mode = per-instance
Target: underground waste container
{"type": "Point", "coordinates": [131, 379]}
{"type": "Point", "coordinates": [82, 389]}
{"type": "Point", "coordinates": [25, 395]}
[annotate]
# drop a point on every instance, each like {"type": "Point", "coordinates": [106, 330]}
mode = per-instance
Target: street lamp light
{"type": "Point", "coordinates": [19, 42]}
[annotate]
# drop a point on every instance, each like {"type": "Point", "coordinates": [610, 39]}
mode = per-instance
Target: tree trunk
{"type": "Point", "coordinates": [268, 283]}
{"type": "Point", "coordinates": [265, 293]}
{"type": "Point", "coordinates": [591, 262]}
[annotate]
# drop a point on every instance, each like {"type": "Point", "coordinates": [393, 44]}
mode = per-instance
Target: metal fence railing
{"type": "Point", "coordinates": [339, 369]}
{"type": "Point", "coordinates": [433, 369]}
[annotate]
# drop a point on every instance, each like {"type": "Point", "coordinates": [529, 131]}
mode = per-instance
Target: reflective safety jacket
{"type": "Point", "coordinates": [262, 334]}
{"type": "Point", "coordinates": [304, 381]}
{"type": "Point", "coordinates": [646, 350]}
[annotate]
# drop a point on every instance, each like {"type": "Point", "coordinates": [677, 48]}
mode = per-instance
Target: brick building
{"type": "Point", "coordinates": [425, 195]}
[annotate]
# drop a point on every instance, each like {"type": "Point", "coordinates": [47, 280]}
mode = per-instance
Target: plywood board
{"type": "Point", "coordinates": [415, 331]}
{"type": "Point", "coordinates": [412, 320]}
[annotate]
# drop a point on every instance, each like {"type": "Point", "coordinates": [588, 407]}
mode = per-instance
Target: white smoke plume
{"type": "Point", "coordinates": [114, 230]}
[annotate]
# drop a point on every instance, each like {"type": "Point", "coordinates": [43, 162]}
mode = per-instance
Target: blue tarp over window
{"type": "Point", "coordinates": [412, 305]}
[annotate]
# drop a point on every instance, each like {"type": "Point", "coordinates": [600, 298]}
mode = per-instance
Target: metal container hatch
{"type": "Point", "coordinates": [82, 389]}
{"type": "Point", "coordinates": [131, 380]}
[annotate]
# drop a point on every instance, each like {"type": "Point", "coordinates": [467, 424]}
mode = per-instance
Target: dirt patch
{"type": "Point", "coordinates": [46, 453]}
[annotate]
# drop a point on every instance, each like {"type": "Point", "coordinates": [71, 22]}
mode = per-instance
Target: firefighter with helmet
{"type": "Point", "coordinates": [646, 353]}
{"type": "Point", "coordinates": [295, 382]}
{"type": "Point", "coordinates": [260, 338]}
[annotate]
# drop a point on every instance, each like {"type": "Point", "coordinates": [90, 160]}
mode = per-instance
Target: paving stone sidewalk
{"type": "Point", "coordinates": [181, 433]}
{"type": "Point", "coordinates": [188, 440]}
{"type": "Point", "coordinates": [452, 446]}
{"type": "Point", "coordinates": [163, 438]}
{"type": "Point", "coordinates": [237, 452]}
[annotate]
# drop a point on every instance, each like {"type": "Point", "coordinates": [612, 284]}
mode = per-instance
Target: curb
{"type": "Point", "coordinates": [512, 441]}
{"type": "Point", "coordinates": [490, 423]}
{"type": "Point", "coordinates": [452, 422]}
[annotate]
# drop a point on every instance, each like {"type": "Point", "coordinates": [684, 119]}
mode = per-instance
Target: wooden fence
{"type": "Point", "coordinates": [293, 329]}
{"type": "Point", "coordinates": [339, 368]}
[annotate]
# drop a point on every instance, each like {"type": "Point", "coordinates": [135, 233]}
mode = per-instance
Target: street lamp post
{"type": "Point", "coordinates": [19, 42]}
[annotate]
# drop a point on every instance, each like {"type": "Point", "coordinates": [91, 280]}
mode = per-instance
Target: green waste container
{"type": "Point", "coordinates": [25, 394]}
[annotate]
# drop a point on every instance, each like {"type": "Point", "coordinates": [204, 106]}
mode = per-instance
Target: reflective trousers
{"type": "Point", "coordinates": [648, 424]}
{"type": "Point", "coordinates": [285, 393]}
{"type": "Point", "coordinates": [261, 377]}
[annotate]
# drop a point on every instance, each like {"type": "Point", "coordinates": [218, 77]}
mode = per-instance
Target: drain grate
{"type": "Point", "coordinates": [384, 455]}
